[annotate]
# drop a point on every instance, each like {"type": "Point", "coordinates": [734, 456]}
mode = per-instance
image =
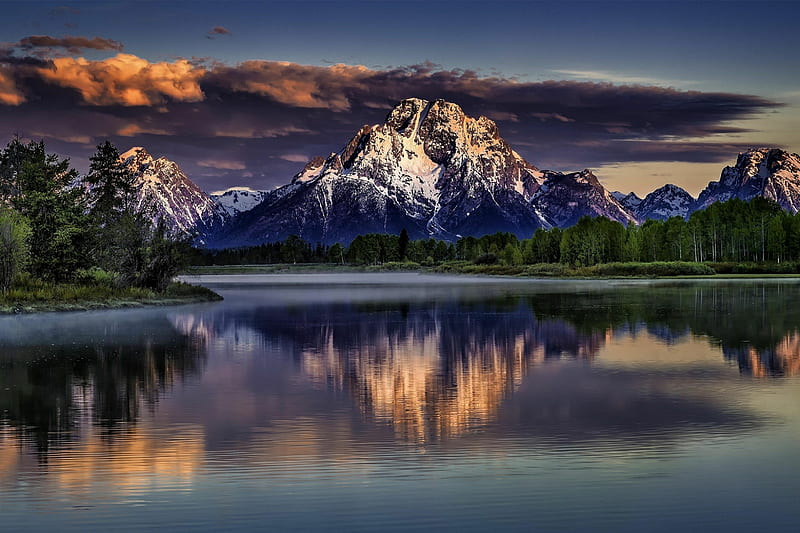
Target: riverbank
{"type": "Point", "coordinates": [47, 297]}
{"type": "Point", "coordinates": [544, 270]}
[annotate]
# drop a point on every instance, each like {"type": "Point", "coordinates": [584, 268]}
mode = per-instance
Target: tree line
{"type": "Point", "coordinates": [733, 231]}
{"type": "Point", "coordinates": [59, 226]}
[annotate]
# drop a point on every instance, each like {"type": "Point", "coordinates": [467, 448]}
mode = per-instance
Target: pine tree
{"type": "Point", "coordinates": [42, 188]}
{"type": "Point", "coordinates": [402, 246]}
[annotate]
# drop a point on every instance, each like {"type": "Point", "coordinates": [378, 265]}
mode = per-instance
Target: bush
{"type": "Point", "coordinates": [395, 266]}
{"type": "Point", "coordinates": [95, 276]}
{"type": "Point", "coordinates": [548, 269]}
{"type": "Point", "coordinates": [486, 259]}
{"type": "Point", "coordinates": [15, 233]}
{"type": "Point", "coordinates": [657, 268]}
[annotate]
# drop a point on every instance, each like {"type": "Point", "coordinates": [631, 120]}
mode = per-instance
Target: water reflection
{"type": "Point", "coordinates": [279, 392]}
{"type": "Point", "coordinates": [437, 365]}
{"type": "Point", "coordinates": [62, 376]}
{"type": "Point", "coordinates": [429, 365]}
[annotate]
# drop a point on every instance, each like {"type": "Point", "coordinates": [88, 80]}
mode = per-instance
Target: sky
{"type": "Point", "coordinates": [244, 93]}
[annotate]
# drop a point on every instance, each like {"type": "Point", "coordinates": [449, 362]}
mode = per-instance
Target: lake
{"type": "Point", "coordinates": [393, 402]}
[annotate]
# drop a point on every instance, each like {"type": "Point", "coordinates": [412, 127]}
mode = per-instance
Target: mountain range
{"type": "Point", "coordinates": [436, 172]}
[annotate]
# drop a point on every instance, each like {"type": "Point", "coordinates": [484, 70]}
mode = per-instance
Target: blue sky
{"type": "Point", "coordinates": [735, 48]}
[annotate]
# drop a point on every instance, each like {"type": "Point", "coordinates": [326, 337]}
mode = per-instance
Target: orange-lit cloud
{"type": "Point", "coordinates": [9, 93]}
{"type": "Point", "coordinates": [296, 85]}
{"type": "Point", "coordinates": [199, 106]}
{"type": "Point", "coordinates": [131, 130]}
{"type": "Point", "coordinates": [223, 164]}
{"type": "Point", "coordinates": [127, 80]}
{"type": "Point", "coordinates": [295, 158]}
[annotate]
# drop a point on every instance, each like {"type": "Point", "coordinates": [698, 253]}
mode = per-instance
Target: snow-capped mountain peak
{"type": "Point", "coordinates": [566, 197]}
{"type": "Point", "coordinates": [235, 200]}
{"type": "Point", "coordinates": [665, 202]}
{"type": "Point", "coordinates": [429, 168]}
{"type": "Point", "coordinates": [162, 186]}
{"type": "Point", "coordinates": [629, 201]}
{"type": "Point", "coordinates": [768, 172]}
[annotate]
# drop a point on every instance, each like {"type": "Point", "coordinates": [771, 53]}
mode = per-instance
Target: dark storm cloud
{"type": "Point", "coordinates": [217, 31]}
{"type": "Point", "coordinates": [258, 113]}
{"type": "Point", "coordinates": [42, 44]}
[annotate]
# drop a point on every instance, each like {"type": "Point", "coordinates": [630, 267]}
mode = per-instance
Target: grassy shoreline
{"type": "Point", "coordinates": [43, 297]}
{"type": "Point", "coordinates": [553, 271]}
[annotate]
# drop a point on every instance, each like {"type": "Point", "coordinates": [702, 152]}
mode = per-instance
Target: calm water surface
{"type": "Point", "coordinates": [374, 402]}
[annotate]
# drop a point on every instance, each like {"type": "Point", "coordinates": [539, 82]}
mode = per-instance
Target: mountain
{"type": "Point", "coordinates": [565, 198]}
{"type": "Point", "coordinates": [237, 200]}
{"type": "Point", "coordinates": [771, 173]}
{"type": "Point", "coordinates": [176, 199]}
{"type": "Point", "coordinates": [428, 168]}
{"type": "Point", "coordinates": [629, 201]}
{"type": "Point", "coordinates": [665, 202]}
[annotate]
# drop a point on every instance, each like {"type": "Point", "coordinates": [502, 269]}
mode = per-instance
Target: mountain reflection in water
{"type": "Point", "coordinates": [430, 369]}
{"type": "Point", "coordinates": [318, 394]}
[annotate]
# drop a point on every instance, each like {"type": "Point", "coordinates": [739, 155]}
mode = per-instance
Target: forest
{"type": "Point", "coordinates": [730, 235]}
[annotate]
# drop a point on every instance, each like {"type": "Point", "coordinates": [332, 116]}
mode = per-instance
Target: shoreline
{"type": "Point", "coordinates": [307, 269]}
{"type": "Point", "coordinates": [184, 294]}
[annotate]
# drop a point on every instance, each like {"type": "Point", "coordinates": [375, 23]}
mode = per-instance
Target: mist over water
{"type": "Point", "coordinates": [392, 402]}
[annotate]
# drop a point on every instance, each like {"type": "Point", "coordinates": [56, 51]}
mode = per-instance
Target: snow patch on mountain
{"type": "Point", "coordinates": [237, 200]}
{"type": "Point", "coordinates": [428, 168]}
{"type": "Point", "coordinates": [771, 173]}
{"type": "Point", "coordinates": [665, 202]}
{"type": "Point", "coordinates": [162, 186]}
{"type": "Point", "coordinates": [566, 197]}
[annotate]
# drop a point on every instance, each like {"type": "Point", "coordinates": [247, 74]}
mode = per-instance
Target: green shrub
{"type": "Point", "coordinates": [549, 269]}
{"type": "Point", "coordinates": [95, 276]}
{"type": "Point", "coordinates": [486, 259]}
{"type": "Point", "coordinates": [392, 266]}
{"type": "Point", "coordinates": [657, 268]}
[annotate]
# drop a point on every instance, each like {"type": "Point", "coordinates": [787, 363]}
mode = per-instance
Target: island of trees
{"type": "Point", "coordinates": [68, 240]}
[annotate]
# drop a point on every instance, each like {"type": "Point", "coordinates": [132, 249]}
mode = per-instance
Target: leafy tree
{"type": "Point", "coordinates": [511, 255]}
{"type": "Point", "coordinates": [14, 247]}
{"type": "Point", "coordinates": [336, 254]}
{"type": "Point", "coordinates": [41, 188]}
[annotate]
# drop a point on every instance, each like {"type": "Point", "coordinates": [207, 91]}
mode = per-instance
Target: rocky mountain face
{"type": "Point", "coordinates": [162, 185]}
{"type": "Point", "coordinates": [238, 199]}
{"type": "Point", "coordinates": [435, 172]}
{"type": "Point", "coordinates": [771, 173]}
{"type": "Point", "coordinates": [565, 198]}
{"type": "Point", "coordinates": [629, 201]}
{"type": "Point", "coordinates": [663, 203]}
{"type": "Point", "coordinates": [428, 168]}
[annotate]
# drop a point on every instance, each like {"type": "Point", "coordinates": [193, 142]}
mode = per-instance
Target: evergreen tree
{"type": "Point", "coordinates": [41, 187]}
{"type": "Point", "coordinates": [402, 246]}
{"type": "Point", "coordinates": [118, 228]}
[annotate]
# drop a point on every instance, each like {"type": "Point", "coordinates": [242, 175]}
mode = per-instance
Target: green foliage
{"type": "Point", "coordinates": [393, 266]}
{"type": "Point", "coordinates": [117, 227]}
{"type": "Point", "coordinates": [402, 245]}
{"type": "Point", "coordinates": [656, 268]}
{"type": "Point", "coordinates": [95, 276]}
{"type": "Point", "coordinates": [30, 294]}
{"type": "Point", "coordinates": [159, 260]}
{"type": "Point", "coordinates": [39, 186]}
{"type": "Point", "coordinates": [486, 259]}
{"type": "Point", "coordinates": [15, 233]}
